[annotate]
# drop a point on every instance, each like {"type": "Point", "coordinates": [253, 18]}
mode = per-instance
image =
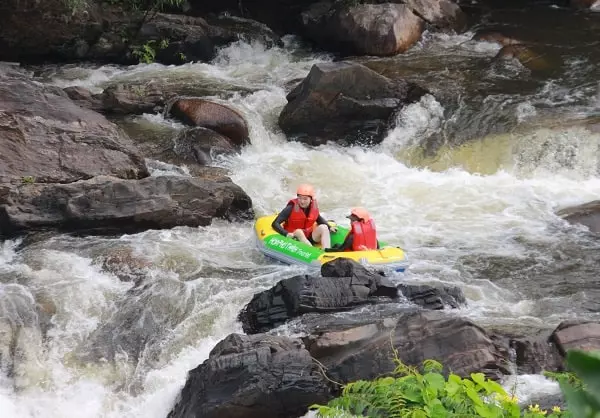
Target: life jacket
{"type": "Point", "coordinates": [364, 235]}
{"type": "Point", "coordinates": [299, 220]}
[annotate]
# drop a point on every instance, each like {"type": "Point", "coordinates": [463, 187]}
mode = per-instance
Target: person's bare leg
{"type": "Point", "coordinates": [321, 234]}
{"type": "Point", "coordinates": [299, 235]}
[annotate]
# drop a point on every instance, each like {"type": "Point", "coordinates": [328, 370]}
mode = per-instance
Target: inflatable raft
{"type": "Point", "coordinates": [291, 251]}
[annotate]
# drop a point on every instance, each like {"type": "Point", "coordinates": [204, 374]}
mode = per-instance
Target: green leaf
{"type": "Point", "coordinates": [435, 380]}
{"type": "Point", "coordinates": [581, 403]}
{"type": "Point", "coordinates": [587, 366]}
{"type": "Point", "coordinates": [478, 378]}
{"type": "Point", "coordinates": [435, 409]}
{"type": "Point", "coordinates": [485, 412]}
{"type": "Point", "coordinates": [495, 387]}
{"type": "Point", "coordinates": [474, 396]}
{"type": "Point", "coordinates": [452, 388]}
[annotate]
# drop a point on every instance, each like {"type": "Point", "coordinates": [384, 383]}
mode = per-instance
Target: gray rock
{"type": "Point", "coordinates": [253, 377]}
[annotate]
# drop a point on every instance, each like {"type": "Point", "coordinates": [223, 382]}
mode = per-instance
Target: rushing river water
{"type": "Point", "coordinates": [468, 183]}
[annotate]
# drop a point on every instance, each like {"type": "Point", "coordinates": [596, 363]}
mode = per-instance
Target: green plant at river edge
{"type": "Point", "coordinates": [410, 393]}
{"type": "Point", "coordinates": [146, 53]}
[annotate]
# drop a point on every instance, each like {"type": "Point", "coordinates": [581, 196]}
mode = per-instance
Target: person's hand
{"type": "Point", "coordinates": [290, 235]}
{"type": "Point", "coordinates": [333, 229]}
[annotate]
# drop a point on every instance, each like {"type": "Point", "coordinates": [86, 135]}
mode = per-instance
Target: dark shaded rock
{"type": "Point", "coordinates": [32, 31]}
{"type": "Point", "coordinates": [279, 15]}
{"type": "Point", "coordinates": [199, 145]}
{"type": "Point", "coordinates": [431, 297]}
{"type": "Point", "coordinates": [106, 205]}
{"type": "Point", "coordinates": [253, 377]}
{"type": "Point", "coordinates": [298, 295]}
{"type": "Point", "coordinates": [529, 349]}
{"type": "Point", "coordinates": [47, 138]}
{"type": "Point", "coordinates": [366, 352]}
{"type": "Point", "coordinates": [344, 102]}
{"type": "Point", "coordinates": [132, 99]}
{"type": "Point", "coordinates": [247, 30]}
{"type": "Point", "coordinates": [58, 30]}
{"type": "Point", "coordinates": [587, 214]}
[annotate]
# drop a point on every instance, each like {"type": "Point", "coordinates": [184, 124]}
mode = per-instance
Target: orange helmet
{"type": "Point", "coordinates": [306, 190]}
{"type": "Point", "coordinates": [360, 213]}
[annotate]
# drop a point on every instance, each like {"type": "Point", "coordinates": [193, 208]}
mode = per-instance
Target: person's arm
{"type": "Point", "coordinates": [347, 244]}
{"type": "Point", "coordinates": [321, 221]}
{"type": "Point", "coordinates": [281, 218]}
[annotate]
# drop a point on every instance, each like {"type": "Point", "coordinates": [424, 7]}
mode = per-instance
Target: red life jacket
{"type": "Point", "coordinates": [299, 220]}
{"type": "Point", "coordinates": [364, 235]}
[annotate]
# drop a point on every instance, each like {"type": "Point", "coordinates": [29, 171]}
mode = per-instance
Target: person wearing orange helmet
{"type": "Point", "coordinates": [300, 219]}
{"type": "Point", "coordinates": [362, 235]}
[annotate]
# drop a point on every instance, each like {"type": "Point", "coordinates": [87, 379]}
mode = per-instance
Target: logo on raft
{"type": "Point", "coordinates": [289, 247]}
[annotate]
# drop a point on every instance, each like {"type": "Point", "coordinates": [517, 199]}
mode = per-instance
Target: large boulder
{"type": "Point", "coordinates": [110, 205]}
{"type": "Point", "coordinates": [253, 377]}
{"type": "Point", "coordinates": [363, 29]}
{"type": "Point", "coordinates": [215, 116]}
{"type": "Point", "coordinates": [441, 14]}
{"type": "Point", "coordinates": [367, 351]}
{"type": "Point", "coordinates": [48, 138]}
{"type": "Point", "coordinates": [299, 295]}
{"type": "Point", "coordinates": [582, 335]}
{"type": "Point", "coordinates": [344, 102]}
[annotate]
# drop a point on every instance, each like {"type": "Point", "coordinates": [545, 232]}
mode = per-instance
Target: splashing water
{"type": "Point", "coordinates": [480, 215]}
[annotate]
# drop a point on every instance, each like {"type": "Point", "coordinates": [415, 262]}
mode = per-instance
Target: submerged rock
{"type": "Point", "coordinates": [587, 214]}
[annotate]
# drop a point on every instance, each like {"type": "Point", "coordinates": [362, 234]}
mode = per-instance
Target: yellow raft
{"type": "Point", "coordinates": [291, 251]}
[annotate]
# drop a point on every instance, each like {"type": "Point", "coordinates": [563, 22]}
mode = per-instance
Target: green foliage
{"type": "Point", "coordinates": [28, 180]}
{"type": "Point", "coordinates": [146, 53]}
{"type": "Point", "coordinates": [143, 4]}
{"type": "Point", "coordinates": [583, 400]}
{"type": "Point", "coordinates": [410, 393]}
{"type": "Point", "coordinates": [565, 377]}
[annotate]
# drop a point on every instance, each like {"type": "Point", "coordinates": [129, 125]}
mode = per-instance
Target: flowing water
{"type": "Point", "coordinates": [467, 182]}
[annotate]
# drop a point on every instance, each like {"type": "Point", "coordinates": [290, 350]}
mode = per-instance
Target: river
{"type": "Point", "coordinates": [467, 183]}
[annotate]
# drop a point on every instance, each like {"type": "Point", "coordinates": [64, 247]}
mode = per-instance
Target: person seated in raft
{"type": "Point", "coordinates": [300, 219]}
{"type": "Point", "coordinates": [362, 235]}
